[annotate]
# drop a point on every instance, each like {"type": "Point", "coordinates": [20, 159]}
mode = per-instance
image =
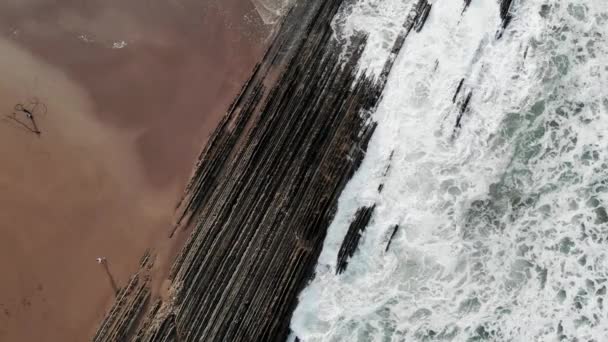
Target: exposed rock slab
{"type": "Point", "coordinates": [265, 188]}
{"type": "Point", "coordinates": [351, 240]}
{"type": "Point", "coordinates": [390, 240]}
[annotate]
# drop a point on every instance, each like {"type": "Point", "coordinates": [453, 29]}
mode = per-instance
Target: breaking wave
{"type": "Point", "coordinates": [489, 175]}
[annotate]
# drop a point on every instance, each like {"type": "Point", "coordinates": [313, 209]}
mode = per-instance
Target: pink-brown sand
{"type": "Point", "coordinates": [132, 90]}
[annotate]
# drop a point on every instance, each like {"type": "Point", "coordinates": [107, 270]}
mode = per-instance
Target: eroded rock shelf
{"type": "Point", "coordinates": [263, 191]}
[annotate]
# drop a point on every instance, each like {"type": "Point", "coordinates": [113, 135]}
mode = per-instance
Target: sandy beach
{"type": "Point", "coordinates": [132, 90]}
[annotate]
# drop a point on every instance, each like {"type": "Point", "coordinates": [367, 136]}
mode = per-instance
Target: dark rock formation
{"type": "Point", "coordinates": [390, 240]}
{"type": "Point", "coordinates": [264, 191]}
{"type": "Point", "coordinates": [351, 240]}
{"type": "Point", "coordinates": [463, 109]}
{"type": "Point", "coordinates": [414, 21]}
{"type": "Point", "coordinates": [505, 6]}
{"type": "Point", "coordinates": [388, 168]}
{"type": "Point", "coordinates": [122, 319]}
{"type": "Point", "coordinates": [467, 3]}
{"type": "Point", "coordinates": [505, 16]}
{"type": "Point", "coordinates": [416, 17]}
{"type": "Point", "coordinates": [461, 105]}
{"type": "Point", "coordinates": [457, 90]}
{"type": "Point", "coordinates": [422, 13]}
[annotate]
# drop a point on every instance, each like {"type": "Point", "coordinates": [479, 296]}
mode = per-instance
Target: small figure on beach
{"type": "Point", "coordinates": [104, 262]}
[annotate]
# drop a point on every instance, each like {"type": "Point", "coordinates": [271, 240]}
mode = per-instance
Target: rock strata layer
{"type": "Point", "coordinates": [265, 189]}
{"type": "Point", "coordinates": [351, 240]}
{"type": "Point", "coordinates": [262, 194]}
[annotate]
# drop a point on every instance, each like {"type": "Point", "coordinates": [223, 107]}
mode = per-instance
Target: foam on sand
{"type": "Point", "coordinates": [271, 10]}
{"type": "Point", "coordinates": [503, 219]}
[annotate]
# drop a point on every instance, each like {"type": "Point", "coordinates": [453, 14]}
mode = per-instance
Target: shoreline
{"type": "Point", "coordinates": [122, 83]}
{"type": "Point", "coordinates": [263, 193]}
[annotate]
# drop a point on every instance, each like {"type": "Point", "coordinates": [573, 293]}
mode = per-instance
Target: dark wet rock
{"type": "Point", "coordinates": [463, 109]}
{"type": "Point", "coordinates": [122, 320]}
{"type": "Point", "coordinates": [505, 6]}
{"type": "Point", "coordinates": [388, 168]}
{"type": "Point", "coordinates": [416, 18]}
{"type": "Point", "coordinates": [390, 240]}
{"type": "Point", "coordinates": [462, 105]}
{"type": "Point", "coordinates": [457, 90]}
{"type": "Point", "coordinates": [264, 191]}
{"type": "Point", "coordinates": [467, 3]}
{"type": "Point", "coordinates": [423, 9]}
{"type": "Point", "coordinates": [351, 240]}
{"type": "Point", "coordinates": [505, 16]}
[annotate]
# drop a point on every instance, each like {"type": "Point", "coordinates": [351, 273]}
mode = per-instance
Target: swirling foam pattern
{"type": "Point", "coordinates": [503, 221]}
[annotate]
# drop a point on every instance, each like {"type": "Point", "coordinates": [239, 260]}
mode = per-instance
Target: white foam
{"type": "Point", "coordinates": [85, 38]}
{"type": "Point", "coordinates": [119, 44]}
{"type": "Point", "coordinates": [468, 253]}
{"type": "Point", "coordinates": [270, 11]}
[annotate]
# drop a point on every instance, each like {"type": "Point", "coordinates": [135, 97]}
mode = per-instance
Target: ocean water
{"type": "Point", "coordinates": [503, 221]}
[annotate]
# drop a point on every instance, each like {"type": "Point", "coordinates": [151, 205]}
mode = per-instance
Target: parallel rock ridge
{"type": "Point", "coordinates": [351, 240]}
{"type": "Point", "coordinates": [263, 192]}
{"type": "Point", "coordinates": [130, 301]}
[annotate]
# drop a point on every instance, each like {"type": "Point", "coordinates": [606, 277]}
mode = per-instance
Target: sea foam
{"type": "Point", "coordinates": [503, 221]}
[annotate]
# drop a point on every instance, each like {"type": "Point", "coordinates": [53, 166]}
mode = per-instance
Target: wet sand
{"type": "Point", "coordinates": [132, 91]}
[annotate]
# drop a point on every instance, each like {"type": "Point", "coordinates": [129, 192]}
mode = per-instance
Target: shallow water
{"type": "Point", "coordinates": [503, 221]}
